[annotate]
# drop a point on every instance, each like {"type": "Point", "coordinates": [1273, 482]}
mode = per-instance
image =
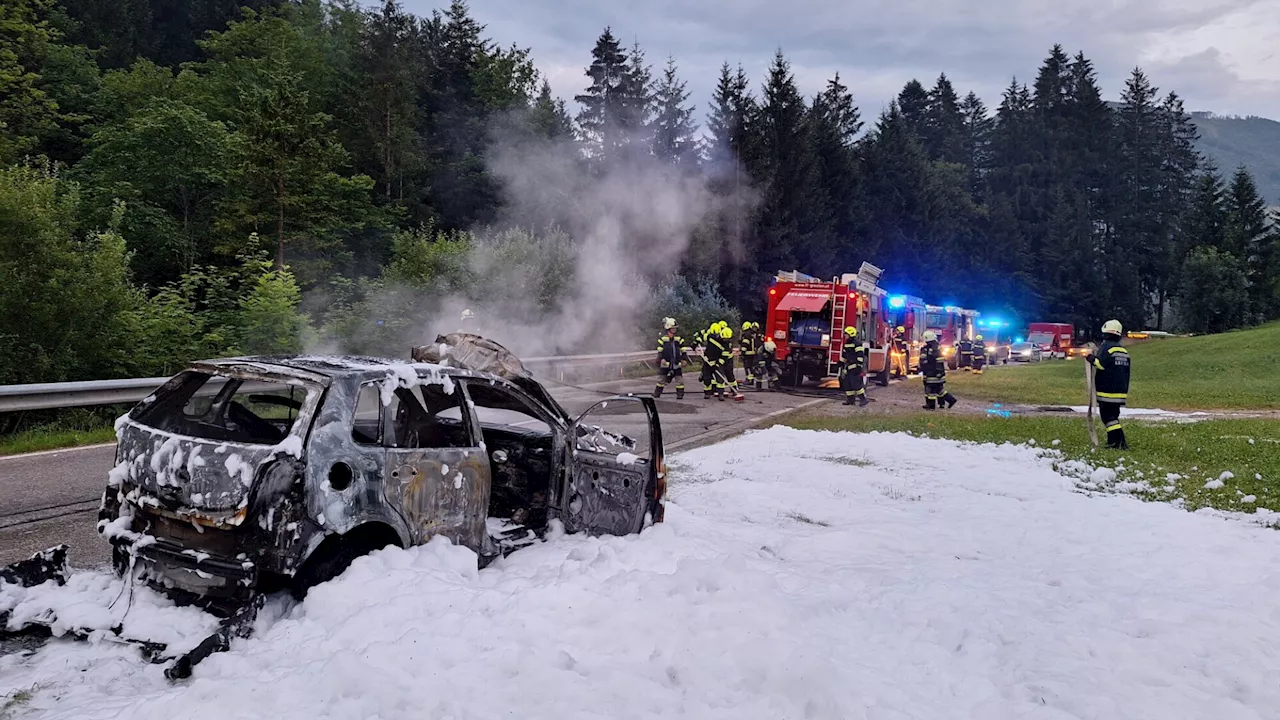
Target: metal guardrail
{"type": "Point", "coordinates": [91, 393]}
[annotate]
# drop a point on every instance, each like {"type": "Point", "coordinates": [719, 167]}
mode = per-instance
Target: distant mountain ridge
{"type": "Point", "coordinates": [1231, 141]}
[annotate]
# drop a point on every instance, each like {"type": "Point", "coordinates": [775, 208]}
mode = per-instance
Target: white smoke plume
{"type": "Point", "coordinates": [630, 227]}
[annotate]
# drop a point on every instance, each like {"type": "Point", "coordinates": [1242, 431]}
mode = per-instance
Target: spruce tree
{"type": "Point", "coordinates": [673, 125]}
{"type": "Point", "coordinates": [548, 117]}
{"type": "Point", "coordinates": [975, 141]}
{"type": "Point", "coordinates": [1248, 237]}
{"type": "Point", "coordinates": [913, 106]}
{"type": "Point", "coordinates": [606, 102]}
{"type": "Point", "coordinates": [834, 123]}
{"type": "Point", "coordinates": [944, 131]}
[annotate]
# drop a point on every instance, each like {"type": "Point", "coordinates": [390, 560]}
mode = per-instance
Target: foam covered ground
{"type": "Point", "coordinates": [799, 575]}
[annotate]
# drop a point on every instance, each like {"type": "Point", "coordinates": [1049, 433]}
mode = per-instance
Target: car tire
{"type": "Point", "coordinates": [330, 560]}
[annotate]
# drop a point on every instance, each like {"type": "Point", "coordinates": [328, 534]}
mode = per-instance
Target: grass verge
{"type": "Point", "coordinates": [1231, 371]}
{"type": "Point", "coordinates": [1181, 462]}
{"type": "Point", "coordinates": [38, 439]}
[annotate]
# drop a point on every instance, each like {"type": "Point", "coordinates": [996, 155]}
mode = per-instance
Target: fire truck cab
{"type": "Point", "coordinates": [807, 317]}
{"type": "Point", "coordinates": [951, 324]}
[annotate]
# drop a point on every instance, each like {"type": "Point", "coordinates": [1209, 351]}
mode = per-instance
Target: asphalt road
{"type": "Point", "coordinates": [51, 498]}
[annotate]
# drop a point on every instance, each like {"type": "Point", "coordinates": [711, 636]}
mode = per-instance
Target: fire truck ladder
{"type": "Point", "coordinates": [839, 306]}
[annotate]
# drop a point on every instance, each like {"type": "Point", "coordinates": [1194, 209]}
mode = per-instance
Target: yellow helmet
{"type": "Point", "coordinates": [901, 329]}
{"type": "Point", "coordinates": [1112, 327]}
{"type": "Point", "coordinates": [726, 332]}
{"type": "Point", "coordinates": [977, 337]}
{"type": "Point", "coordinates": [668, 323]}
{"type": "Point", "coordinates": [930, 336]}
{"type": "Point", "coordinates": [746, 325]}
{"type": "Point", "coordinates": [755, 326]}
{"type": "Point", "coordinates": [851, 331]}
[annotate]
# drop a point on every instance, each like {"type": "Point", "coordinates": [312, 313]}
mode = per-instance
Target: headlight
{"type": "Point", "coordinates": [1026, 353]}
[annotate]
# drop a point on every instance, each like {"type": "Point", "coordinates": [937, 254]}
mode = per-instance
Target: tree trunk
{"type": "Point", "coordinates": [280, 225]}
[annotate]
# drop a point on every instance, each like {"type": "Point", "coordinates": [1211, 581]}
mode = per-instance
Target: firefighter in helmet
{"type": "Point", "coordinates": [767, 368]}
{"type": "Point", "coordinates": [934, 369]}
{"type": "Point", "coordinates": [853, 369]}
{"type": "Point", "coordinates": [726, 374]}
{"type": "Point", "coordinates": [710, 341]}
{"type": "Point", "coordinates": [1111, 381]}
{"type": "Point", "coordinates": [749, 347]}
{"type": "Point", "coordinates": [902, 351]}
{"type": "Point", "coordinates": [979, 350]}
{"type": "Point", "coordinates": [964, 354]}
{"type": "Point", "coordinates": [671, 359]}
{"type": "Point", "coordinates": [469, 323]}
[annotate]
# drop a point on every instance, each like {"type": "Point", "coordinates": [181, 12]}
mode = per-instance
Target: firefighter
{"type": "Point", "coordinates": [749, 346]}
{"type": "Point", "coordinates": [964, 354]}
{"type": "Point", "coordinates": [853, 369]}
{"type": "Point", "coordinates": [1111, 381]}
{"type": "Point", "coordinates": [979, 350]}
{"type": "Point", "coordinates": [709, 342]}
{"type": "Point", "coordinates": [671, 359]}
{"type": "Point", "coordinates": [767, 369]}
{"type": "Point", "coordinates": [934, 369]}
{"type": "Point", "coordinates": [725, 370]}
{"type": "Point", "coordinates": [902, 349]}
{"type": "Point", "coordinates": [468, 323]}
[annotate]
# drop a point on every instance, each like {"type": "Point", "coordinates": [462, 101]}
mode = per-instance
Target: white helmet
{"type": "Point", "coordinates": [467, 314]}
{"type": "Point", "coordinates": [1112, 327]}
{"type": "Point", "coordinates": [668, 323]}
{"type": "Point", "coordinates": [929, 336]}
{"type": "Point", "coordinates": [770, 346]}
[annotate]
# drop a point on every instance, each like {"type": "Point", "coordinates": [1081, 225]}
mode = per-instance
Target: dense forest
{"type": "Point", "coordinates": [206, 177]}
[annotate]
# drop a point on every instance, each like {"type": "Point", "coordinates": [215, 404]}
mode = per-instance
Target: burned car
{"type": "Point", "coordinates": [246, 475]}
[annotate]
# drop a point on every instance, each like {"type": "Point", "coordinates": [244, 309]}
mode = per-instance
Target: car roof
{"type": "Point", "coordinates": [332, 366]}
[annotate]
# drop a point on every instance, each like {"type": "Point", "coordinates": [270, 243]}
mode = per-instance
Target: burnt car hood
{"type": "Point", "coordinates": [466, 351]}
{"type": "Point", "coordinates": [192, 476]}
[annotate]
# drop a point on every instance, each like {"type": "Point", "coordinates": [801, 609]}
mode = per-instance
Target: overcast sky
{"type": "Point", "coordinates": [1219, 55]}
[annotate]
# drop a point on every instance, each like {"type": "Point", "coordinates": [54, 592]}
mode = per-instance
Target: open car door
{"type": "Point", "coordinates": [616, 479]}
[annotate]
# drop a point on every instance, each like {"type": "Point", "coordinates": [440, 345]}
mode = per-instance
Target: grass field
{"type": "Point", "coordinates": [1196, 453]}
{"type": "Point", "coordinates": [1232, 371]}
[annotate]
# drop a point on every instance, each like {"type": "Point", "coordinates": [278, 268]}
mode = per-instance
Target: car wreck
{"type": "Point", "coordinates": [246, 476]}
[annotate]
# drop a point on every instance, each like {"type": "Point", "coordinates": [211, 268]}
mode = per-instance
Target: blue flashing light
{"type": "Point", "coordinates": [1018, 339]}
{"type": "Point", "coordinates": [897, 301]}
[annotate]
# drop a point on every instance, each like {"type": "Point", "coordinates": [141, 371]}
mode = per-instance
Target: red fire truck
{"type": "Point", "coordinates": [952, 324]}
{"type": "Point", "coordinates": [807, 317]}
{"type": "Point", "coordinates": [1054, 339]}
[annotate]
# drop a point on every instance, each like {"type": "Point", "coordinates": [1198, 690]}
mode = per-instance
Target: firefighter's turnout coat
{"type": "Point", "coordinates": [1111, 381]}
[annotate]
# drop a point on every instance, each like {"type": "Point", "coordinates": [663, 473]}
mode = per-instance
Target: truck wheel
{"type": "Point", "coordinates": [882, 377]}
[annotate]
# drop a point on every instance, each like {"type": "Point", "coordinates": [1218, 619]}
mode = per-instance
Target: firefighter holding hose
{"type": "Point", "coordinates": [853, 369]}
{"type": "Point", "coordinates": [1111, 381]}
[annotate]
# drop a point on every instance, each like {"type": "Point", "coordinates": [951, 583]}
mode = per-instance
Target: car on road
{"type": "Point", "coordinates": [250, 474]}
{"type": "Point", "coordinates": [1025, 352]}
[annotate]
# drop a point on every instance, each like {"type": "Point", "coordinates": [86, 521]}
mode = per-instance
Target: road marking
{"type": "Point", "coordinates": [55, 452]}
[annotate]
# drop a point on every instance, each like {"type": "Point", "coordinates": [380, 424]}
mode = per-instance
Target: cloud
{"type": "Point", "coordinates": [1217, 54]}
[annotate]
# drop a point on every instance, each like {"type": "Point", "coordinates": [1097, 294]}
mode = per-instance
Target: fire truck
{"type": "Point", "coordinates": [951, 324]}
{"type": "Point", "coordinates": [807, 317]}
{"type": "Point", "coordinates": [907, 312]}
{"type": "Point", "coordinates": [1054, 339]}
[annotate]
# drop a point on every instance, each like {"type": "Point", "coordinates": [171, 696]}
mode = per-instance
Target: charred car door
{"type": "Point", "coordinates": [437, 472]}
{"type": "Point", "coordinates": [616, 481]}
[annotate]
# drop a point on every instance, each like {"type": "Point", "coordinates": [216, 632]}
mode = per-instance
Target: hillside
{"type": "Point", "coordinates": [1160, 377]}
{"type": "Point", "coordinates": [1251, 141]}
